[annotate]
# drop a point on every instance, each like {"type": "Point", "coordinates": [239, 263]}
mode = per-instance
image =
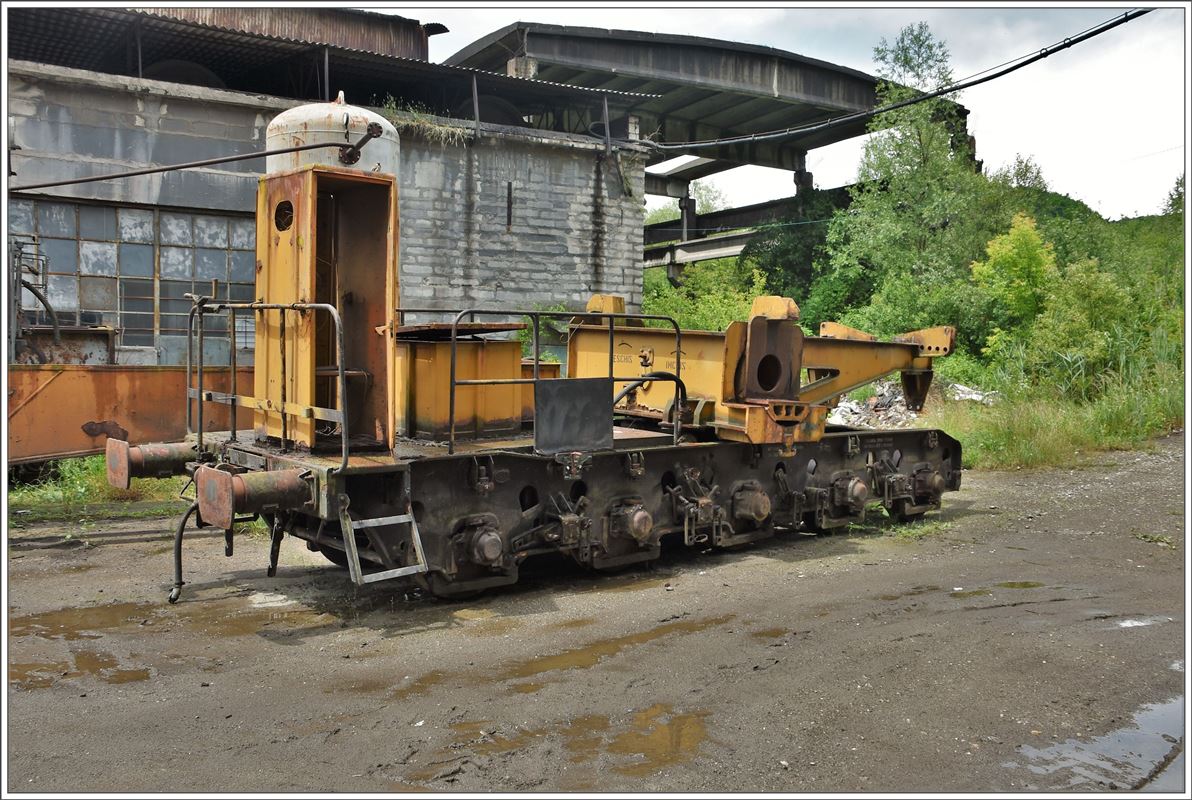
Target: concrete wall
{"type": "Point", "coordinates": [574, 226]}
{"type": "Point", "coordinates": [516, 223]}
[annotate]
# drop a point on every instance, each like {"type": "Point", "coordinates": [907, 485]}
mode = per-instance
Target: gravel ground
{"type": "Point", "coordinates": [1029, 630]}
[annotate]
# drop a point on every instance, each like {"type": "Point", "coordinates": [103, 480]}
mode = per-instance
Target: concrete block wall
{"type": "Point", "coordinates": [516, 218]}
{"type": "Point", "coordinates": [516, 224]}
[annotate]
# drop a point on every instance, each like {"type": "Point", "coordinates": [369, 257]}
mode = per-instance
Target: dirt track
{"type": "Point", "coordinates": [1008, 649]}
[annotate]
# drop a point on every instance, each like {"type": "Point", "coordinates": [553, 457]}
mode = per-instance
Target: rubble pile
{"type": "Point", "coordinates": [887, 407]}
{"type": "Point", "coordinates": [958, 391]}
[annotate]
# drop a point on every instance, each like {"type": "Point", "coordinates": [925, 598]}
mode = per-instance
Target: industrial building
{"type": "Point", "coordinates": [507, 196]}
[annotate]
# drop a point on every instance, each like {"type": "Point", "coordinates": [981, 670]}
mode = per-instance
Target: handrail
{"type": "Point", "coordinates": [535, 318]}
{"type": "Point", "coordinates": [202, 305]}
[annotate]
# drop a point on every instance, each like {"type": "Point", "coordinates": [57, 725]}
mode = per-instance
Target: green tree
{"type": "Point", "coordinates": [1072, 340]}
{"type": "Point", "coordinates": [710, 295]}
{"type": "Point", "coordinates": [1018, 270]}
{"type": "Point", "coordinates": [1022, 173]}
{"type": "Point", "coordinates": [1175, 198]}
{"type": "Point", "coordinates": [918, 206]}
{"type": "Point", "coordinates": [787, 250]}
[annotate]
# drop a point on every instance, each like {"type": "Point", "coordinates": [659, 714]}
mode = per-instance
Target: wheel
{"type": "Point", "coordinates": [337, 557]}
{"type": "Point", "coordinates": [813, 523]}
{"type": "Point", "coordinates": [900, 513]}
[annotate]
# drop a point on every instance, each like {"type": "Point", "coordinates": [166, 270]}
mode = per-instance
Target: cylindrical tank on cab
{"type": "Point", "coordinates": [337, 123]}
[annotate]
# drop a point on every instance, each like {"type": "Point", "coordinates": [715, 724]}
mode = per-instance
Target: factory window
{"type": "Point", "coordinates": [130, 269]}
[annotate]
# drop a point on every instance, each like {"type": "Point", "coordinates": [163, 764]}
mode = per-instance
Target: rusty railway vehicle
{"type": "Point", "coordinates": [429, 452]}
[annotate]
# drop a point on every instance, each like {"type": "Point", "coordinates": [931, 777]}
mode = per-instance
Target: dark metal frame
{"type": "Point", "coordinates": [201, 306]}
{"type": "Point", "coordinates": [535, 319]}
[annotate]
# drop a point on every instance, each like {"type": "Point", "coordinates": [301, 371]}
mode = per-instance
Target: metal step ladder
{"type": "Point", "coordinates": [349, 526]}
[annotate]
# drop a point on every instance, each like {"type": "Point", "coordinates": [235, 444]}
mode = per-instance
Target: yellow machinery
{"type": "Point", "coordinates": [430, 451]}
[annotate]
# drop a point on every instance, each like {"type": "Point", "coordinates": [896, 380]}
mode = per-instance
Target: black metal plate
{"type": "Point", "coordinates": [573, 415]}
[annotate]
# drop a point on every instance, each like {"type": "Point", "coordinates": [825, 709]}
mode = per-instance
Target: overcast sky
{"type": "Point", "coordinates": [1104, 119]}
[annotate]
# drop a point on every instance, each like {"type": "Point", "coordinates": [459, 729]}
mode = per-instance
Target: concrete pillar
{"type": "Point", "coordinates": [803, 178]}
{"type": "Point", "coordinates": [522, 67]}
{"type": "Point", "coordinates": [634, 126]}
{"type": "Point", "coordinates": [687, 216]}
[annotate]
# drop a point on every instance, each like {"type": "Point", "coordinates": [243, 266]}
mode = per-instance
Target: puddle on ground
{"type": "Point", "coordinates": [972, 593]}
{"type": "Point", "coordinates": [81, 622]}
{"type": "Point", "coordinates": [914, 591]}
{"type": "Point", "coordinates": [104, 666]}
{"type": "Point", "coordinates": [770, 633]}
{"type": "Point", "coordinates": [1143, 622]}
{"type": "Point", "coordinates": [218, 618]}
{"type": "Point", "coordinates": [649, 741]}
{"type": "Point", "coordinates": [468, 614]}
{"type": "Point", "coordinates": [496, 627]}
{"type": "Point", "coordinates": [591, 654]}
{"type": "Point", "coordinates": [488, 623]}
{"type": "Point", "coordinates": [528, 688]}
{"type": "Point", "coordinates": [36, 675]}
{"type": "Point", "coordinates": [1019, 585]}
{"type": "Point", "coordinates": [578, 658]}
{"type": "Point", "coordinates": [420, 685]}
{"type": "Point", "coordinates": [659, 739]}
{"type": "Point", "coordinates": [1170, 778]}
{"type": "Point", "coordinates": [1134, 756]}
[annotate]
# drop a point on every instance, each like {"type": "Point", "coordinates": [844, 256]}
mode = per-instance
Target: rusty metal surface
{"type": "Point", "coordinates": [118, 466]}
{"type": "Point", "coordinates": [106, 428]}
{"type": "Point", "coordinates": [223, 495]}
{"type": "Point", "coordinates": [441, 331]}
{"type": "Point", "coordinates": [75, 345]}
{"type": "Point", "coordinates": [59, 411]}
{"type": "Point", "coordinates": [146, 460]}
{"type": "Point", "coordinates": [374, 33]}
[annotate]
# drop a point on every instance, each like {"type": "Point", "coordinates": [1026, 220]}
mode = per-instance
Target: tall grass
{"type": "Point", "coordinates": [77, 482]}
{"type": "Point", "coordinates": [1040, 429]}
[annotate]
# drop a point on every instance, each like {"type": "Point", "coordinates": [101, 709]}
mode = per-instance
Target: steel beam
{"type": "Point", "coordinates": [696, 250]}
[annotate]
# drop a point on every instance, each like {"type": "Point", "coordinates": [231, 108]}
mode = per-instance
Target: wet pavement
{"type": "Point", "coordinates": [1031, 641]}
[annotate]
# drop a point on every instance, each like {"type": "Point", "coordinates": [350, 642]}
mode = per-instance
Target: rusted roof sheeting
{"type": "Point", "coordinates": [372, 33]}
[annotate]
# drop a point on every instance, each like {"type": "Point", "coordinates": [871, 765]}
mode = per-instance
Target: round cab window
{"type": "Point", "coordinates": [283, 215]}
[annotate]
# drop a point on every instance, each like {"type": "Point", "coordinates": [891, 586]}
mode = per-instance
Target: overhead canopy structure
{"type": "Point", "coordinates": [306, 54]}
{"type": "Point", "coordinates": [710, 89]}
{"type": "Point", "coordinates": [705, 90]}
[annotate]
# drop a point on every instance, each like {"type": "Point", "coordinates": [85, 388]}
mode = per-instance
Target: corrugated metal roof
{"type": "Point", "coordinates": [382, 34]}
{"type": "Point", "coordinates": [704, 89]}
{"type": "Point", "coordinates": [360, 50]}
{"type": "Point", "coordinates": [82, 37]}
{"type": "Point", "coordinates": [474, 51]}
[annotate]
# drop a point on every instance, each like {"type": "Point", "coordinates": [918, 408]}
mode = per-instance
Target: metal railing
{"type": "Point", "coordinates": [535, 318]}
{"type": "Point", "coordinates": [203, 306]}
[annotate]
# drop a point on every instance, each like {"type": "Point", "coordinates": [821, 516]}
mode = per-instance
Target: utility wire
{"type": "Point", "coordinates": [763, 224]}
{"type": "Point", "coordinates": [951, 88]}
